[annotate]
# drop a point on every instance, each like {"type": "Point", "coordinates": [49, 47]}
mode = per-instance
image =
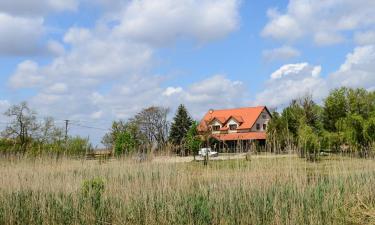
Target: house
{"type": "Point", "coordinates": [231, 127]}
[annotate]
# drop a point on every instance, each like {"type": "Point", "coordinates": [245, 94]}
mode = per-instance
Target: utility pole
{"type": "Point", "coordinates": [66, 129]}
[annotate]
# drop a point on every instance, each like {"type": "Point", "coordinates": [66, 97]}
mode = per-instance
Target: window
{"type": "Point", "coordinates": [233, 127]}
{"type": "Point", "coordinates": [216, 128]}
{"type": "Point", "coordinates": [264, 126]}
{"type": "Point", "coordinates": [264, 116]}
{"type": "Point", "coordinates": [258, 126]}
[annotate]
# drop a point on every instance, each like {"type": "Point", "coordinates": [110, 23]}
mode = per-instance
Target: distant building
{"type": "Point", "coordinates": [232, 126]}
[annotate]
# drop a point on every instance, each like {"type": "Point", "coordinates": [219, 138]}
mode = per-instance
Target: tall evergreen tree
{"type": "Point", "coordinates": [180, 125]}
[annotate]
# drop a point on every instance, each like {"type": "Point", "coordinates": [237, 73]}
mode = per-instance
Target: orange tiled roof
{"type": "Point", "coordinates": [246, 116]}
{"type": "Point", "coordinates": [241, 136]}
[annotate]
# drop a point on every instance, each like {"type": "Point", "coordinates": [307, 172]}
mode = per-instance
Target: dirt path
{"type": "Point", "coordinates": [178, 159]}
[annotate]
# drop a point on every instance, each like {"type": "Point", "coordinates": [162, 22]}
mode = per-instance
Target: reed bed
{"type": "Point", "coordinates": [285, 190]}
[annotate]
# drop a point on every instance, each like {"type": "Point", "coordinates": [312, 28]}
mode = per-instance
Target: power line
{"type": "Point", "coordinates": [90, 127]}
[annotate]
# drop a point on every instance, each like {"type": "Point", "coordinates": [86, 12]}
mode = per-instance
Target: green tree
{"type": "Point", "coordinates": [180, 125]}
{"type": "Point", "coordinates": [308, 142]}
{"type": "Point", "coordinates": [360, 102]}
{"type": "Point", "coordinates": [352, 127]}
{"type": "Point", "coordinates": [370, 130]}
{"type": "Point", "coordinates": [78, 146]}
{"type": "Point", "coordinates": [335, 108]}
{"type": "Point", "coordinates": [192, 140]}
{"type": "Point", "coordinates": [276, 130]}
{"type": "Point", "coordinates": [124, 143]}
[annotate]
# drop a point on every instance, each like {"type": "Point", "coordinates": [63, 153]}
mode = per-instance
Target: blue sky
{"type": "Point", "coordinates": [97, 61]}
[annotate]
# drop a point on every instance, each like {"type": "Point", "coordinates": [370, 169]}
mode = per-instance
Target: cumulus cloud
{"type": "Point", "coordinates": [358, 70]}
{"type": "Point", "coordinates": [108, 68]}
{"type": "Point", "coordinates": [36, 7]}
{"type": "Point", "coordinates": [161, 22]}
{"type": "Point", "coordinates": [280, 54]}
{"type": "Point", "coordinates": [325, 22]}
{"type": "Point", "coordinates": [26, 75]}
{"type": "Point", "coordinates": [20, 36]}
{"type": "Point", "coordinates": [292, 81]}
{"type": "Point", "coordinates": [365, 38]}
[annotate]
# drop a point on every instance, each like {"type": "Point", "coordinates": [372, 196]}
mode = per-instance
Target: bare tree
{"type": "Point", "coordinates": [49, 132]}
{"type": "Point", "coordinates": [153, 124]}
{"type": "Point", "coordinates": [23, 125]}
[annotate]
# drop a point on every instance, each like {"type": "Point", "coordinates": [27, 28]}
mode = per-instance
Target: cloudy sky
{"type": "Point", "coordinates": [93, 61]}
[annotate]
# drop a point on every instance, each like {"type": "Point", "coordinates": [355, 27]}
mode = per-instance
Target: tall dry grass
{"type": "Point", "coordinates": [285, 190]}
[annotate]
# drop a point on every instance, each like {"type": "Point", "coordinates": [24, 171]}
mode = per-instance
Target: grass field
{"type": "Point", "coordinates": [274, 190]}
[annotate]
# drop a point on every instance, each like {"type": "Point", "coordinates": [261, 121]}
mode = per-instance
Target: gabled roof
{"type": "Point", "coordinates": [246, 116]}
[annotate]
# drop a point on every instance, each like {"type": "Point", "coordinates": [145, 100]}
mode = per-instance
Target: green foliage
{"type": "Point", "coordinates": [344, 122]}
{"type": "Point", "coordinates": [180, 125]}
{"type": "Point", "coordinates": [193, 141]}
{"type": "Point", "coordinates": [335, 108]}
{"type": "Point", "coordinates": [77, 146]}
{"type": "Point", "coordinates": [291, 116]}
{"type": "Point", "coordinates": [308, 142]}
{"type": "Point", "coordinates": [124, 143]}
{"type": "Point", "coordinates": [331, 141]}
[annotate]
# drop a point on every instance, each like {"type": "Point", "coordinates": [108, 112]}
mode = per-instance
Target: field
{"type": "Point", "coordinates": [263, 190]}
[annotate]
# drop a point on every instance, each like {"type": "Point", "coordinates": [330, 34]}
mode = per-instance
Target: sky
{"type": "Point", "coordinates": [95, 61]}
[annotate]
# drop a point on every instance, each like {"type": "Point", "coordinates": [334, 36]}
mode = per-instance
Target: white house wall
{"type": "Point", "coordinates": [261, 121]}
{"type": "Point", "coordinates": [232, 122]}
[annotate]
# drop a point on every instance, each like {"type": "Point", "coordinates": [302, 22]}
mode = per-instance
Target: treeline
{"type": "Point", "coordinates": [344, 123]}
{"type": "Point", "coordinates": [149, 130]}
{"type": "Point", "coordinates": [25, 135]}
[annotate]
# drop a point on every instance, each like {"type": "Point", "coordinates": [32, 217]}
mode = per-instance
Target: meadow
{"type": "Point", "coordinates": [267, 190]}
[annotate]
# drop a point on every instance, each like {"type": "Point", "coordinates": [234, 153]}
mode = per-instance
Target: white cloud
{"type": "Point", "coordinates": [20, 36]}
{"type": "Point", "coordinates": [172, 91]}
{"type": "Point", "coordinates": [4, 105]}
{"type": "Point", "coordinates": [281, 26]}
{"type": "Point", "coordinates": [36, 7]}
{"type": "Point", "coordinates": [358, 70]}
{"type": "Point", "coordinates": [164, 21]}
{"type": "Point", "coordinates": [326, 38]}
{"type": "Point", "coordinates": [104, 72]}
{"type": "Point", "coordinates": [326, 22]}
{"type": "Point", "coordinates": [279, 54]}
{"type": "Point", "coordinates": [26, 76]}
{"type": "Point", "coordinates": [292, 81]}
{"type": "Point", "coordinates": [213, 92]}
{"type": "Point", "coordinates": [365, 38]}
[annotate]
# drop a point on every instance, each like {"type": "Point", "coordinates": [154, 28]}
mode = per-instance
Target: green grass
{"type": "Point", "coordinates": [260, 191]}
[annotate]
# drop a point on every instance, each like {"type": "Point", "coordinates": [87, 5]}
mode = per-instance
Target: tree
{"type": "Point", "coordinates": [335, 108]}
{"type": "Point", "coordinates": [192, 139]}
{"type": "Point", "coordinates": [152, 123]}
{"type": "Point", "coordinates": [49, 133]}
{"type": "Point", "coordinates": [360, 102]}
{"type": "Point", "coordinates": [119, 128]}
{"type": "Point", "coordinates": [370, 130]}
{"type": "Point", "coordinates": [308, 142]}
{"type": "Point", "coordinates": [180, 125]}
{"type": "Point", "coordinates": [352, 128]}
{"type": "Point", "coordinates": [23, 125]}
{"type": "Point", "coordinates": [124, 143]}
{"type": "Point", "coordinates": [78, 146]}
{"type": "Point", "coordinates": [311, 111]}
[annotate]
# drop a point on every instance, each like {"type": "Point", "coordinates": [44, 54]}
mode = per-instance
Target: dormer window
{"type": "Point", "coordinates": [233, 127]}
{"type": "Point", "coordinates": [216, 128]}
